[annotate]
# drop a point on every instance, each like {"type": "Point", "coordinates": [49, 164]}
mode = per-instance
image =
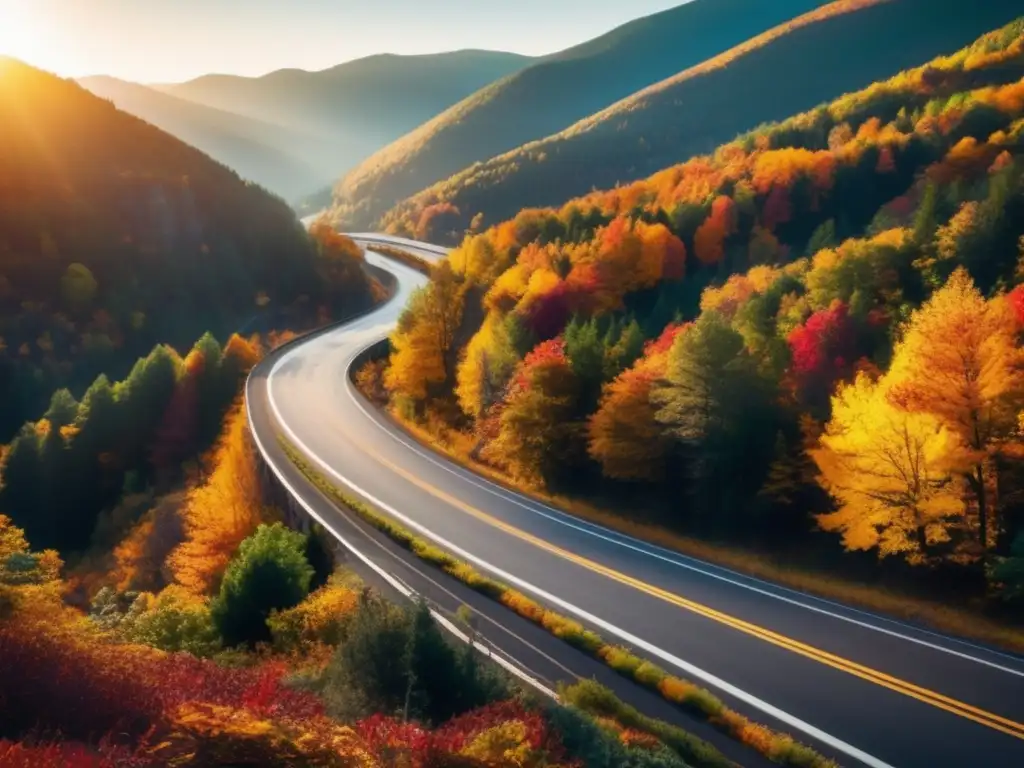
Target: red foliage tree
{"type": "Point", "coordinates": [548, 314]}
{"type": "Point", "coordinates": [822, 350]}
{"type": "Point", "coordinates": [1016, 299]}
{"type": "Point", "coordinates": [777, 208]}
{"type": "Point", "coordinates": [709, 240]}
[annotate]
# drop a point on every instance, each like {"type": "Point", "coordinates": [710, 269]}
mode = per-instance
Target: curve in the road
{"type": "Point", "coordinates": [872, 689]}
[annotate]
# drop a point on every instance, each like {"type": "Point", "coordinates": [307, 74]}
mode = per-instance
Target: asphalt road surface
{"type": "Point", "coordinates": [861, 688]}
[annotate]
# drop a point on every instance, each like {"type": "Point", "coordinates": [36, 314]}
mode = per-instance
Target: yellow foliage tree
{"type": "Point", "coordinates": [889, 472]}
{"type": "Point", "coordinates": [317, 619]}
{"type": "Point", "coordinates": [960, 363]}
{"type": "Point", "coordinates": [487, 363]}
{"type": "Point", "coordinates": [221, 512]}
{"type": "Point", "coordinates": [422, 342]}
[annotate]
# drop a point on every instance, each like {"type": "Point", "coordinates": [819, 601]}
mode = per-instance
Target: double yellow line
{"type": "Point", "coordinates": [981, 716]}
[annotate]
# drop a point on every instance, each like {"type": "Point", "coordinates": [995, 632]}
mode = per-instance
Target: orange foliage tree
{"type": "Point", "coordinates": [625, 436]}
{"type": "Point", "coordinates": [536, 420]}
{"type": "Point", "coordinates": [960, 362]}
{"type": "Point", "coordinates": [221, 512]}
{"type": "Point", "coordinates": [709, 240]}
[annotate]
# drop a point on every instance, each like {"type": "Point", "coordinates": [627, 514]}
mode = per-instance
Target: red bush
{"type": "Point", "coordinates": [55, 683]}
{"type": "Point", "coordinates": [66, 754]}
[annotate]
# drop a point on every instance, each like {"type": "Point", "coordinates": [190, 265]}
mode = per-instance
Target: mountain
{"type": "Point", "coordinates": [352, 109]}
{"type": "Point", "coordinates": [274, 156]}
{"type": "Point", "coordinates": [552, 94]}
{"type": "Point", "coordinates": [115, 236]}
{"type": "Point", "coordinates": [758, 342]}
{"type": "Point", "coordinates": [851, 44]}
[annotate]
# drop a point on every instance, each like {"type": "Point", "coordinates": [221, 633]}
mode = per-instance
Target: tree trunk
{"type": "Point", "coordinates": [978, 481]}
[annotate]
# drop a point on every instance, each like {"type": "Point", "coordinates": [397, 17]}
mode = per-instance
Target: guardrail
{"type": "Point", "coordinates": [373, 237]}
{"type": "Point", "coordinates": [261, 371]}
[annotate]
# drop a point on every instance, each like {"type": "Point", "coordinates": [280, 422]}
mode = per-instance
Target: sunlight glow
{"type": "Point", "coordinates": [19, 37]}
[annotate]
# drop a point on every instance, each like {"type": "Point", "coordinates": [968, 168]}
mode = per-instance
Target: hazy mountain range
{"type": "Point", "coordinates": [295, 131]}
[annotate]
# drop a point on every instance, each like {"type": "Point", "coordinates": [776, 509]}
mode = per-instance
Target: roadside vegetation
{"type": "Point", "coordinates": [403, 257]}
{"type": "Point", "coordinates": [694, 700]}
{"type": "Point", "coordinates": [707, 102]}
{"type": "Point", "coordinates": [212, 634]}
{"type": "Point", "coordinates": [762, 348]}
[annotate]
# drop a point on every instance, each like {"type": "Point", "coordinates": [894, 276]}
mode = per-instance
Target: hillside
{"type": "Point", "coordinates": [851, 42]}
{"type": "Point", "coordinates": [550, 95]}
{"type": "Point", "coordinates": [281, 159]}
{"type": "Point", "coordinates": [115, 236]}
{"type": "Point", "coordinates": [355, 108]}
{"type": "Point", "coordinates": [807, 341]}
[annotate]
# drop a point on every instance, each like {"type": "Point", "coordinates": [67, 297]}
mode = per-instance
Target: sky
{"type": "Point", "coordinates": [158, 41]}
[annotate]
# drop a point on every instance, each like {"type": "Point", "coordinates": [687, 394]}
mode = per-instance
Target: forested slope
{"type": "Point", "coordinates": [280, 159]}
{"type": "Point", "coordinates": [114, 236]}
{"type": "Point", "coordinates": [550, 95]}
{"type": "Point", "coordinates": [351, 110]}
{"type": "Point", "coordinates": [843, 46]}
{"type": "Point", "coordinates": [816, 327]}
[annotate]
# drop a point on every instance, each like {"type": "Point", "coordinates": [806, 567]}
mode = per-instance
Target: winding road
{"type": "Point", "coordinates": [863, 689]}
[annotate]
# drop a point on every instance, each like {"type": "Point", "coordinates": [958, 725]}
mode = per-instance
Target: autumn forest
{"type": "Point", "coordinates": [795, 351]}
{"type": "Point", "coordinates": [815, 328]}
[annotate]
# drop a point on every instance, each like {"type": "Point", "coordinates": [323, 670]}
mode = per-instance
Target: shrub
{"type": "Point", "coordinates": [394, 660]}
{"type": "Point", "coordinates": [58, 677]}
{"type": "Point", "coordinates": [317, 619]}
{"type": "Point", "coordinates": [597, 700]}
{"type": "Point", "coordinates": [571, 632]}
{"type": "Point", "coordinates": [175, 621]}
{"type": "Point", "coordinates": [523, 605]}
{"type": "Point", "coordinates": [1007, 574]}
{"type": "Point", "coordinates": [269, 572]}
{"type": "Point", "coordinates": [649, 675]}
{"type": "Point", "coordinates": [320, 555]}
{"type": "Point", "coordinates": [584, 739]}
{"type": "Point", "coordinates": [620, 659]}
{"type": "Point", "coordinates": [66, 754]}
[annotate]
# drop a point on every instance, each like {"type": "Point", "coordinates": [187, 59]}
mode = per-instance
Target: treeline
{"type": "Point", "coordinates": [548, 96]}
{"type": "Point", "coordinates": [264, 655]}
{"type": "Point", "coordinates": [61, 471]}
{"type": "Point", "coordinates": [115, 237]}
{"type": "Point", "coordinates": [766, 78]}
{"type": "Point", "coordinates": [763, 341]}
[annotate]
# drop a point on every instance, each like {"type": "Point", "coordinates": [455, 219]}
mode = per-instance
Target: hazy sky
{"type": "Point", "coordinates": [171, 40]}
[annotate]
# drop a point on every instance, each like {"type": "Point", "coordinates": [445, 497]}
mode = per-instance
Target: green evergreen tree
{"type": "Point", "coordinates": [584, 348]}
{"type": "Point", "coordinates": [269, 572]}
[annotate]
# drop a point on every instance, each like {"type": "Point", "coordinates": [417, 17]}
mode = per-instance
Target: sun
{"type": "Point", "coordinates": [19, 34]}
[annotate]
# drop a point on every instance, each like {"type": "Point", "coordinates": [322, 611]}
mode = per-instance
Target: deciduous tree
{"type": "Point", "coordinates": [959, 362]}
{"type": "Point", "coordinates": [422, 343]}
{"type": "Point", "coordinates": [889, 471]}
{"type": "Point", "coordinates": [536, 427]}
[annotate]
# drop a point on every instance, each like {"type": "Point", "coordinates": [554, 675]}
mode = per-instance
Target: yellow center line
{"type": "Point", "coordinates": [933, 698]}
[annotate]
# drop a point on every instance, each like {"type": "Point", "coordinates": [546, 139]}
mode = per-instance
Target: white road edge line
{"type": "Point", "coordinates": [695, 671]}
{"type": "Point", "coordinates": [676, 559]}
{"type": "Point", "coordinates": [627, 544]}
{"type": "Point", "coordinates": [392, 580]}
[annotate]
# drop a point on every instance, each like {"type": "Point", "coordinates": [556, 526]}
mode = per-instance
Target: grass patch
{"type": "Point", "coordinates": [598, 701]}
{"type": "Point", "coordinates": [410, 260]}
{"type": "Point", "coordinates": [699, 702]}
{"type": "Point", "coordinates": [954, 620]}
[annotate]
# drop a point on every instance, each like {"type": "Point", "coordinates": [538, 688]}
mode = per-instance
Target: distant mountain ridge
{"type": "Point", "coordinates": [553, 93]}
{"type": "Point", "coordinates": [296, 131]}
{"type": "Point", "coordinates": [385, 91]}
{"type": "Point", "coordinates": [838, 48]}
{"type": "Point", "coordinates": [274, 156]}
